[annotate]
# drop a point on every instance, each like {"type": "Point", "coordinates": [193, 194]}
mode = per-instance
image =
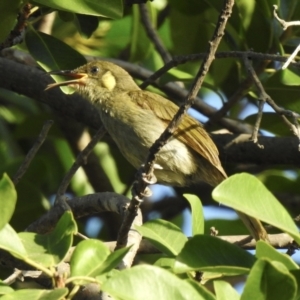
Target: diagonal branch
{"type": "Point", "coordinates": [266, 98]}
{"type": "Point", "coordinates": [152, 34]}
{"type": "Point", "coordinates": [140, 185]}
{"type": "Point", "coordinates": [31, 154]}
{"type": "Point", "coordinates": [81, 158]}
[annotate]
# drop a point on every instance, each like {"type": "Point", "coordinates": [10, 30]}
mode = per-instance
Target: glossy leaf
{"type": "Point", "coordinates": [9, 10]}
{"type": "Point", "coordinates": [25, 294]}
{"type": "Point", "coordinates": [269, 280]}
{"type": "Point", "coordinates": [197, 214]}
{"type": "Point", "coordinates": [5, 289]}
{"type": "Point", "coordinates": [147, 283]}
{"type": "Point", "coordinates": [165, 262]}
{"type": "Point", "coordinates": [246, 193]}
{"type": "Point", "coordinates": [202, 291]}
{"type": "Point", "coordinates": [164, 235]}
{"type": "Point", "coordinates": [50, 249]}
{"type": "Point", "coordinates": [10, 241]}
{"type": "Point", "coordinates": [95, 254]}
{"type": "Point", "coordinates": [140, 45]}
{"type": "Point", "coordinates": [290, 77]}
{"type": "Point", "coordinates": [113, 260]}
{"type": "Point", "coordinates": [224, 291]}
{"type": "Point", "coordinates": [86, 25]}
{"type": "Point", "coordinates": [52, 54]}
{"type": "Point", "coordinates": [296, 274]}
{"type": "Point", "coordinates": [208, 253]}
{"type": "Point", "coordinates": [107, 8]}
{"type": "Point", "coordinates": [8, 200]}
{"type": "Point", "coordinates": [264, 250]}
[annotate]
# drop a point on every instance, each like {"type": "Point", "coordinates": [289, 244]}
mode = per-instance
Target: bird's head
{"type": "Point", "coordinates": [96, 77]}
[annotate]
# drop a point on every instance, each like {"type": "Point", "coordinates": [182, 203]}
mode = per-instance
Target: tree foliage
{"type": "Point", "coordinates": [248, 101]}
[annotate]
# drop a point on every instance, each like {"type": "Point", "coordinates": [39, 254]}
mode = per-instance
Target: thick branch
{"type": "Point", "coordinates": [31, 82]}
{"type": "Point", "coordinates": [238, 149]}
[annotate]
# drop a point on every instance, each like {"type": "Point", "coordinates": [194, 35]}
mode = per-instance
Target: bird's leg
{"type": "Point", "coordinates": [148, 179]}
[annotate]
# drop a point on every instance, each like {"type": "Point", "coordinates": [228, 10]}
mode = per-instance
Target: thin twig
{"type": "Point", "coordinates": [254, 135]}
{"type": "Point", "coordinates": [261, 101]}
{"type": "Point", "coordinates": [282, 22]}
{"type": "Point", "coordinates": [31, 154]}
{"type": "Point", "coordinates": [17, 274]}
{"type": "Point", "coordinates": [152, 33]}
{"type": "Point", "coordinates": [291, 58]}
{"type": "Point", "coordinates": [285, 25]}
{"type": "Point", "coordinates": [16, 35]}
{"type": "Point", "coordinates": [140, 185]}
{"type": "Point", "coordinates": [81, 158]}
{"type": "Point", "coordinates": [282, 112]}
{"type": "Point", "coordinates": [182, 59]}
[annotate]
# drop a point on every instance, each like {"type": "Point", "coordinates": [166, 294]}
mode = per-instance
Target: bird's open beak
{"type": "Point", "coordinates": [80, 78]}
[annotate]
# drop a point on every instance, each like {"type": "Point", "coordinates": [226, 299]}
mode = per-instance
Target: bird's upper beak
{"type": "Point", "coordinates": [80, 78]}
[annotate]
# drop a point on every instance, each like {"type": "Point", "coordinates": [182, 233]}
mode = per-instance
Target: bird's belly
{"type": "Point", "coordinates": [174, 161]}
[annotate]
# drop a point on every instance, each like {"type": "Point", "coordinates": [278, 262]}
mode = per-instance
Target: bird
{"type": "Point", "coordinates": [136, 118]}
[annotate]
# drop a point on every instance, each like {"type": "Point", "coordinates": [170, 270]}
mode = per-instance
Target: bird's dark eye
{"type": "Point", "coordinates": [94, 70]}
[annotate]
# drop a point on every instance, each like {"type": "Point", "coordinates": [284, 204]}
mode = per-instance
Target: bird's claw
{"type": "Point", "coordinates": [149, 178]}
{"type": "Point", "coordinates": [147, 192]}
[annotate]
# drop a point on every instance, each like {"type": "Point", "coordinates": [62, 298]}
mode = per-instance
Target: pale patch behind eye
{"type": "Point", "coordinates": [109, 80]}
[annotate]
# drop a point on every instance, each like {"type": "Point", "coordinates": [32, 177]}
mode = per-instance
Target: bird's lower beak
{"type": "Point", "coordinates": [80, 78]}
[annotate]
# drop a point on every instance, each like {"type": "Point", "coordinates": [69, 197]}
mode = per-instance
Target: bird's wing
{"type": "Point", "coordinates": [190, 131]}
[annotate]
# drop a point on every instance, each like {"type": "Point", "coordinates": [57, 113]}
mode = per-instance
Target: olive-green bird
{"type": "Point", "coordinates": [135, 119]}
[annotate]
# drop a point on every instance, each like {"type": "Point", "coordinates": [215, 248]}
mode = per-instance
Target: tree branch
{"type": "Point", "coordinates": [140, 185]}
{"type": "Point", "coordinates": [152, 34]}
{"type": "Point", "coordinates": [31, 154]}
{"type": "Point", "coordinates": [81, 158]}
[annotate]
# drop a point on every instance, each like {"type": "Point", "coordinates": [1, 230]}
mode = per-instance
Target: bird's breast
{"type": "Point", "coordinates": [134, 132]}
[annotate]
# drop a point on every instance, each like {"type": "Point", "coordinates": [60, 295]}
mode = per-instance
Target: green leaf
{"type": "Point", "coordinates": [149, 283]}
{"type": "Point", "coordinates": [269, 280]}
{"type": "Point", "coordinates": [104, 276]}
{"type": "Point", "coordinates": [197, 214]}
{"type": "Point", "coordinates": [50, 249]}
{"type": "Point", "coordinates": [8, 200]}
{"type": "Point", "coordinates": [86, 25]}
{"type": "Point", "coordinates": [164, 235]}
{"type": "Point", "coordinates": [290, 77]}
{"type": "Point", "coordinates": [95, 253]}
{"type": "Point", "coordinates": [10, 241]}
{"type": "Point", "coordinates": [9, 10]}
{"type": "Point", "coordinates": [296, 274]}
{"type": "Point", "coordinates": [52, 54]}
{"type": "Point", "coordinates": [151, 259]}
{"type": "Point", "coordinates": [271, 122]}
{"type": "Point", "coordinates": [5, 289]}
{"type": "Point", "coordinates": [140, 45]}
{"type": "Point", "coordinates": [176, 74]}
{"type": "Point", "coordinates": [31, 294]}
{"type": "Point", "coordinates": [246, 193]}
{"type": "Point", "coordinates": [264, 250]}
{"type": "Point", "coordinates": [107, 8]}
{"type": "Point", "coordinates": [283, 94]}
{"type": "Point", "coordinates": [165, 263]}
{"type": "Point", "coordinates": [113, 260]}
{"type": "Point", "coordinates": [208, 253]}
{"type": "Point", "coordinates": [205, 293]}
{"type": "Point", "coordinates": [224, 291]}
